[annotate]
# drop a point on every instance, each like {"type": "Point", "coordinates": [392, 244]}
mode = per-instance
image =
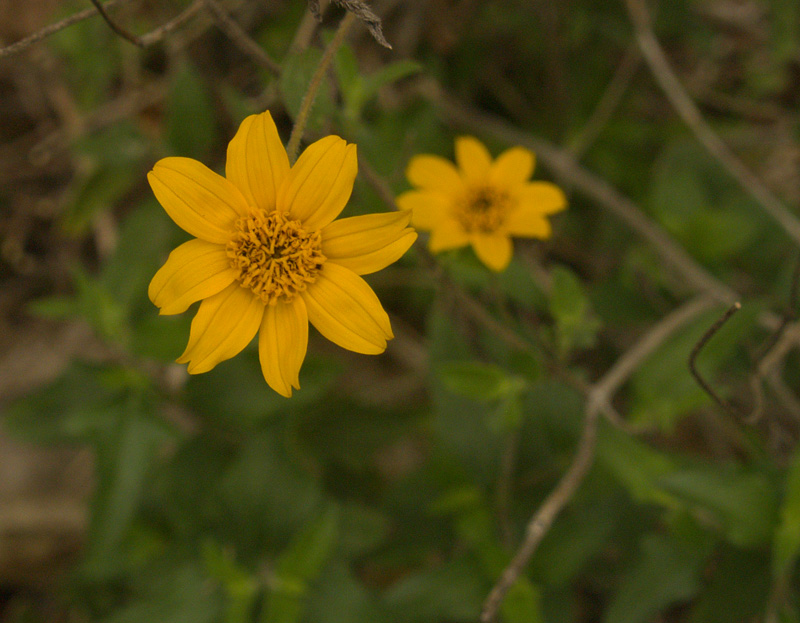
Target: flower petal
{"type": "Point", "coordinates": [282, 344]}
{"type": "Point", "coordinates": [368, 243]}
{"type": "Point", "coordinates": [344, 309]}
{"type": "Point", "coordinates": [201, 202]}
{"type": "Point", "coordinates": [473, 158]}
{"type": "Point", "coordinates": [544, 197]}
{"type": "Point", "coordinates": [257, 162]}
{"type": "Point", "coordinates": [223, 326]}
{"type": "Point", "coordinates": [448, 235]}
{"type": "Point", "coordinates": [514, 166]}
{"type": "Point", "coordinates": [428, 172]}
{"type": "Point", "coordinates": [320, 183]}
{"type": "Point", "coordinates": [195, 270]}
{"type": "Point", "coordinates": [494, 250]}
{"type": "Point", "coordinates": [428, 208]}
{"type": "Point", "coordinates": [527, 222]}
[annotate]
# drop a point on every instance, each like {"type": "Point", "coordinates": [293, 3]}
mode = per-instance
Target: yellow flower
{"type": "Point", "coordinates": [482, 203]}
{"type": "Point", "coordinates": [268, 257]}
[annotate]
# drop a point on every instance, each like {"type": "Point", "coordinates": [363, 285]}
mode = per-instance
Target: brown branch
{"type": "Point", "coordinates": [45, 32]}
{"type": "Point", "coordinates": [239, 37]}
{"type": "Point", "coordinates": [156, 35]}
{"type": "Point", "coordinates": [122, 32]}
{"type": "Point", "coordinates": [711, 332]}
{"type": "Point", "coordinates": [598, 400]}
{"type": "Point", "coordinates": [360, 9]}
{"type": "Point", "coordinates": [688, 111]}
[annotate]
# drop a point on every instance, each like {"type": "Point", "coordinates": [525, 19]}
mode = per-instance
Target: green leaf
{"type": "Point", "coordinates": [477, 380]}
{"type": "Point", "coordinates": [663, 575]}
{"type": "Point", "coordinates": [190, 123]}
{"type": "Point", "coordinates": [786, 542]}
{"type": "Point", "coordinates": [295, 78]}
{"type": "Point", "coordinates": [743, 503]}
{"type": "Point", "coordinates": [522, 604]}
{"type": "Point", "coordinates": [570, 308]}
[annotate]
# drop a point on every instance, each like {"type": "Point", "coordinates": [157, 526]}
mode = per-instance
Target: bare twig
{"type": "Point", "coordinates": [598, 401]}
{"type": "Point", "coordinates": [45, 32]}
{"type": "Point", "coordinates": [157, 34]}
{"type": "Point", "coordinates": [242, 40]}
{"type": "Point", "coordinates": [686, 108]}
{"type": "Point", "coordinates": [293, 146]}
{"type": "Point", "coordinates": [122, 32]}
{"type": "Point", "coordinates": [712, 330]}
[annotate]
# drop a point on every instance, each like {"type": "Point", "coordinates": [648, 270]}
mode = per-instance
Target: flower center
{"type": "Point", "coordinates": [274, 256]}
{"type": "Point", "coordinates": [483, 209]}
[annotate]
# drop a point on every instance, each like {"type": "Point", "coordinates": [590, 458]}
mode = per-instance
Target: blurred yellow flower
{"type": "Point", "coordinates": [482, 202]}
{"type": "Point", "coordinates": [268, 256]}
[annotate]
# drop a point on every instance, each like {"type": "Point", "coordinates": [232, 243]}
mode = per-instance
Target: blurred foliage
{"type": "Point", "coordinates": [386, 492]}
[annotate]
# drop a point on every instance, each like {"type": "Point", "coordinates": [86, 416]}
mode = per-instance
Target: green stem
{"type": "Point", "coordinates": [316, 80]}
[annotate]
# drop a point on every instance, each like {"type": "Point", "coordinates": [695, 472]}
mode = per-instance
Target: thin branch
{"type": "Point", "coordinates": [712, 330]}
{"type": "Point", "coordinates": [686, 108]}
{"type": "Point", "coordinates": [293, 146]}
{"type": "Point", "coordinates": [45, 32]}
{"type": "Point", "coordinates": [598, 401]}
{"type": "Point", "coordinates": [122, 32]}
{"type": "Point", "coordinates": [157, 34]}
{"type": "Point", "coordinates": [242, 40]}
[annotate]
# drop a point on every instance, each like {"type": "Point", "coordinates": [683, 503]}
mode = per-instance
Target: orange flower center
{"type": "Point", "coordinates": [483, 209]}
{"type": "Point", "coordinates": [274, 256]}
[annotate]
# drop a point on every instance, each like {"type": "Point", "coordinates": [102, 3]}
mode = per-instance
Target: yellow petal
{"type": "Point", "coordinates": [527, 222]}
{"type": "Point", "coordinates": [544, 197]}
{"type": "Point", "coordinates": [345, 310]}
{"type": "Point", "coordinates": [428, 172]}
{"type": "Point", "coordinates": [428, 208]}
{"type": "Point", "coordinates": [282, 344]}
{"type": "Point", "coordinates": [223, 326]}
{"type": "Point", "coordinates": [195, 270]}
{"type": "Point", "coordinates": [320, 182]}
{"type": "Point", "coordinates": [494, 250]}
{"type": "Point", "coordinates": [366, 244]}
{"type": "Point", "coordinates": [257, 162]}
{"type": "Point", "coordinates": [514, 166]}
{"type": "Point", "coordinates": [448, 235]}
{"type": "Point", "coordinates": [473, 159]}
{"type": "Point", "coordinates": [201, 202]}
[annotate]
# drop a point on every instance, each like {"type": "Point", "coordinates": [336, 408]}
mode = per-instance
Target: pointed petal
{"type": "Point", "coordinates": [368, 243]}
{"type": "Point", "coordinates": [427, 208]}
{"type": "Point", "coordinates": [345, 310]}
{"type": "Point", "coordinates": [223, 326]}
{"type": "Point", "coordinates": [447, 235]}
{"type": "Point", "coordinates": [257, 162]}
{"type": "Point", "coordinates": [544, 197]}
{"type": "Point", "coordinates": [201, 202]}
{"type": "Point", "coordinates": [282, 344]}
{"type": "Point", "coordinates": [494, 250]}
{"type": "Point", "coordinates": [514, 166]}
{"type": "Point", "coordinates": [195, 270]}
{"type": "Point", "coordinates": [320, 183]}
{"type": "Point", "coordinates": [527, 222]}
{"type": "Point", "coordinates": [428, 172]}
{"type": "Point", "coordinates": [473, 159]}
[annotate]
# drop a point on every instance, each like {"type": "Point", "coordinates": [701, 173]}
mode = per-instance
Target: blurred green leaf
{"type": "Point", "coordinates": [297, 72]}
{"type": "Point", "coordinates": [743, 502]}
{"type": "Point", "coordinates": [663, 575]}
{"type": "Point", "coordinates": [477, 380]}
{"type": "Point", "coordinates": [570, 307]}
{"type": "Point", "coordinates": [190, 123]}
{"type": "Point", "coordinates": [786, 542]}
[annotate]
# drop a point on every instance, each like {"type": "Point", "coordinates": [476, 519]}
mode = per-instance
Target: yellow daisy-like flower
{"type": "Point", "coordinates": [268, 256]}
{"type": "Point", "coordinates": [482, 202]}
